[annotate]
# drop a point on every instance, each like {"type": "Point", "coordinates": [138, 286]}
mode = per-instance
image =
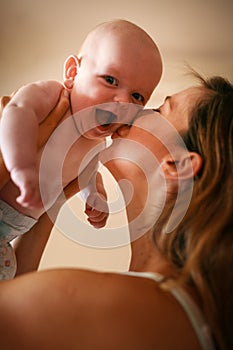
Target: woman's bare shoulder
{"type": "Point", "coordinates": [84, 309]}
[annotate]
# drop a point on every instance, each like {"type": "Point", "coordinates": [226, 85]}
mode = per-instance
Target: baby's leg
{"type": "Point", "coordinates": [8, 263]}
{"type": "Point", "coordinates": [12, 224]}
{"type": "Point", "coordinates": [27, 180]}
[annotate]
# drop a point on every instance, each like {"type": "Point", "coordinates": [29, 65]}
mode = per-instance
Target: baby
{"type": "Point", "coordinates": [118, 64]}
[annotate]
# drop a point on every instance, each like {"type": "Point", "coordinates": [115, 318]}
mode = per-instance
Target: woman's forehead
{"type": "Point", "coordinates": [188, 97]}
{"type": "Point", "coordinates": [178, 108]}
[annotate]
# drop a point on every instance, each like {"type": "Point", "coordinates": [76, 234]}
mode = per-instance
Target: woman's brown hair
{"type": "Point", "coordinates": [201, 247]}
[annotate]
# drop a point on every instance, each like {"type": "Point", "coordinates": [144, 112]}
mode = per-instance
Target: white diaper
{"type": "Point", "coordinates": [12, 224]}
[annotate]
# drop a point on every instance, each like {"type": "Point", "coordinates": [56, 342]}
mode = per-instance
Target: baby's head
{"type": "Point", "coordinates": [118, 62]}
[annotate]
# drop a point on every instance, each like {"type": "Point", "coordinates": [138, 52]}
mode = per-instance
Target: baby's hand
{"type": "Point", "coordinates": [97, 210]}
{"type": "Point", "coordinates": [27, 181]}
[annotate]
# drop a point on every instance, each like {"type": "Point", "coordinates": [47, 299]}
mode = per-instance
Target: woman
{"type": "Point", "coordinates": [186, 270]}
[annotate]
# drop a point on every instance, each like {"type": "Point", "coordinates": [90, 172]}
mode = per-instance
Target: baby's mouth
{"type": "Point", "coordinates": [105, 118]}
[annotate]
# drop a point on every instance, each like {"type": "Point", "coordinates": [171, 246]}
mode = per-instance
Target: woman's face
{"type": "Point", "coordinates": [154, 131]}
{"type": "Point", "coordinates": [176, 109]}
{"type": "Point", "coordinates": [137, 155]}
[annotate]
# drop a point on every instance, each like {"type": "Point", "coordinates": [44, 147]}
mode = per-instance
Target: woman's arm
{"type": "Point", "coordinates": [30, 246]}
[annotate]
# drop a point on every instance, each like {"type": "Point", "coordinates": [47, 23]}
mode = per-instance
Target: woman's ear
{"type": "Point", "coordinates": [70, 71]}
{"type": "Point", "coordinates": [184, 166]}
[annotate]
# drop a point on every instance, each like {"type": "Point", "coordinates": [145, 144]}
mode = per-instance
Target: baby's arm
{"type": "Point", "coordinates": [96, 203]}
{"type": "Point", "coordinates": [19, 132]}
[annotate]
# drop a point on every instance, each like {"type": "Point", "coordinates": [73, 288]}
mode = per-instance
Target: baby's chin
{"type": "Point", "coordinates": [97, 132]}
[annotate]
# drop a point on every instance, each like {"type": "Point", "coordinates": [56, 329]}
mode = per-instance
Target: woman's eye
{"type": "Point", "coordinates": [111, 80]}
{"type": "Point", "coordinates": [138, 97]}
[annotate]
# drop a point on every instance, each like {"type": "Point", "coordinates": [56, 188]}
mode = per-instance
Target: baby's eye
{"type": "Point", "coordinates": [138, 97]}
{"type": "Point", "coordinates": [111, 80]}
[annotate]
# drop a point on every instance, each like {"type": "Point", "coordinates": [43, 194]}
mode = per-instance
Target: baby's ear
{"type": "Point", "coordinates": [70, 70]}
{"type": "Point", "coordinates": [184, 166]}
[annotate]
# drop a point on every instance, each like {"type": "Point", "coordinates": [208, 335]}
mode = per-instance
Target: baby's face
{"type": "Point", "coordinates": [103, 120]}
{"type": "Point", "coordinates": [112, 70]}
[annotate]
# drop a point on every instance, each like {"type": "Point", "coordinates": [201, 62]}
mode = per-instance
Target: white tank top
{"type": "Point", "coordinates": [195, 316]}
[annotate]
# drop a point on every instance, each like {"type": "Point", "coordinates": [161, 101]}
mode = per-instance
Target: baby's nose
{"type": "Point", "coordinates": [122, 96]}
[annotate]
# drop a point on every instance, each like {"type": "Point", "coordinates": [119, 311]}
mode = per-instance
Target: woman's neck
{"type": "Point", "coordinates": [145, 257]}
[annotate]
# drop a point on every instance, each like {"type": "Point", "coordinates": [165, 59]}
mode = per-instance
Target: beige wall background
{"type": "Point", "coordinates": [37, 36]}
